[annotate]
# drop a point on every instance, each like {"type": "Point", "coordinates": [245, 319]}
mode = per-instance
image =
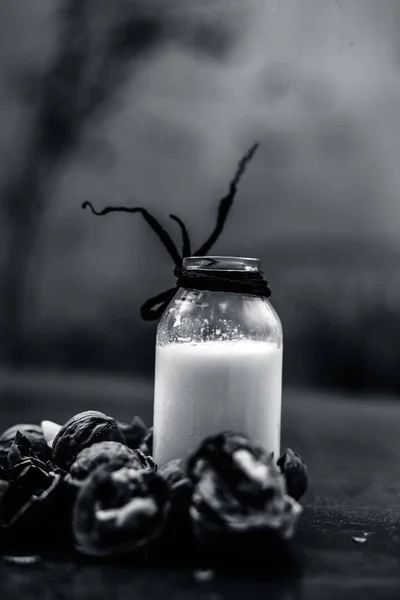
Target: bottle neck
{"type": "Point", "coordinates": [229, 264]}
{"type": "Point", "coordinates": [223, 274]}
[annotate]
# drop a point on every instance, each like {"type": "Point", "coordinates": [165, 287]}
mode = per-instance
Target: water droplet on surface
{"type": "Point", "coordinates": [203, 575]}
{"type": "Point", "coordinates": [22, 560]}
{"type": "Point", "coordinates": [359, 540]}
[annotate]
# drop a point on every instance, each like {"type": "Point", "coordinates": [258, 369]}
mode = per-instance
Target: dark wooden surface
{"type": "Point", "coordinates": [352, 448]}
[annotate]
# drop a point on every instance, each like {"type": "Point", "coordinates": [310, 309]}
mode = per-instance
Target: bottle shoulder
{"type": "Point", "coordinates": [195, 315]}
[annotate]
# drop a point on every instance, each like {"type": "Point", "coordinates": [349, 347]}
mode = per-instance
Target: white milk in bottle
{"type": "Point", "coordinates": [204, 388]}
{"type": "Point", "coordinates": [218, 366]}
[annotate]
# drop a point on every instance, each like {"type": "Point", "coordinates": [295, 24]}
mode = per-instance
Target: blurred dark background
{"type": "Point", "coordinates": [153, 103]}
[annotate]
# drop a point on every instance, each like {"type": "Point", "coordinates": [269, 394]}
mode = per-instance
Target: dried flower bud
{"type": "Point", "coordinates": [295, 473]}
{"type": "Point", "coordinates": [147, 444]}
{"type": "Point", "coordinates": [176, 541]}
{"type": "Point", "coordinates": [83, 430]}
{"type": "Point", "coordinates": [134, 432]}
{"type": "Point", "coordinates": [120, 511]}
{"type": "Point", "coordinates": [238, 489]}
{"type": "Point", "coordinates": [35, 495]}
{"type": "Point", "coordinates": [20, 449]}
{"type": "Point", "coordinates": [4, 485]}
{"type": "Point", "coordinates": [173, 472]}
{"type": "Point", "coordinates": [32, 433]}
{"type": "Point", "coordinates": [102, 453]}
{"type": "Point", "coordinates": [181, 492]}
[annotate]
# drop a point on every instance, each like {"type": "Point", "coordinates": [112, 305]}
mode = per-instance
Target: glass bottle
{"type": "Point", "coordinates": [218, 366]}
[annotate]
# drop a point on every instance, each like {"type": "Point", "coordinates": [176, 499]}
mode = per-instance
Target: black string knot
{"type": "Point", "coordinates": [236, 282]}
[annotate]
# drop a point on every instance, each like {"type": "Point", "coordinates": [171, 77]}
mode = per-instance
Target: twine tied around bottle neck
{"type": "Point", "coordinates": [237, 282]}
{"type": "Point", "coordinates": [244, 282]}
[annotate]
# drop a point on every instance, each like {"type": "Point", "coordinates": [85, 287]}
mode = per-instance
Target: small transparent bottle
{"type": "Point", "coordinates": [218, 366]}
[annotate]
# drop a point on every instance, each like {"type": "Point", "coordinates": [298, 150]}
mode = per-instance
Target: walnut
{"type": "Point", "coordinates": [119, 511]}
{"type": "Point", "coordinates": [238, 490]}
{"type": "Point", "coordinates": [83, 430]}
{"type": "Point", "coordinates": [102, 453]}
